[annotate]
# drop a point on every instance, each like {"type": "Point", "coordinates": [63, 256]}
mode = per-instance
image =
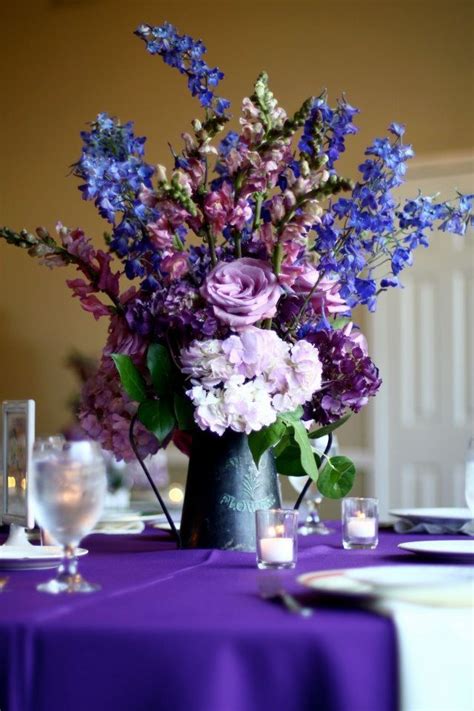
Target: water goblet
{"type": "Point", "coordinates": [48, 444]}
{"type": "Point", "coordinates": [68, 493]}
{"type": "Point", "coordinates": [44, 447]}
{"type": "Point", "coordinates": [312, 523]}
{"type": "Point", "coordinates": [469, 477]}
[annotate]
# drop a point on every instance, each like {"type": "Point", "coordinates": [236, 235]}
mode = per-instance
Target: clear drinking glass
{"type": "Point", "coordinates": [68, 493]}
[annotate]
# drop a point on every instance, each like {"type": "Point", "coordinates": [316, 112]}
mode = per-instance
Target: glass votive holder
{"type": "Point", "coordinates": [360, 523]}
{"type": "Point", "coordinates": [277, 538]}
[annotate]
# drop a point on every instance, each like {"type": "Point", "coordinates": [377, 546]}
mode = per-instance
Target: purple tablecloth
{"type": "Point", "coordinates": [188, 631]}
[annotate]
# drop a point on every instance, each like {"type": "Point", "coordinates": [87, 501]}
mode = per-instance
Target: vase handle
{"type": "Point", "coordinates": [174, 530]}
{"type": "Point", "coordinates": [309, 482]}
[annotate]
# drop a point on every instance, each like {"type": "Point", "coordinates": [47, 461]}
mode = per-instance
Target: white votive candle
{"type": "Point", "coordinates": [276, 550]}
{"type": "Point", "coordinates": [361, 527]}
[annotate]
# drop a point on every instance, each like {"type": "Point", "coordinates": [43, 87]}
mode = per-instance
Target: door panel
{"type": "Point", "coordinates": [422, 339]}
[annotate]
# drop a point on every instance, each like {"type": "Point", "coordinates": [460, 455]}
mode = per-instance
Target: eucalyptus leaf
{"type": "Point", "coordinates": [160, 365]}
{"type": "Point", "coordinates": [130, 377]}
{"type": "Point", "coordinates": [265, 438]}
{"type": "Point", "coordinates": [327, 429]}
{"type": "Point", "coordinates": [158, 417]}
{"type": "Point", "coordinates": [337, 477]}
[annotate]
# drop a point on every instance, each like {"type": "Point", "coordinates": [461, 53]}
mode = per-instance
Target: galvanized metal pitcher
{"type": "Point", "coordinates": [224, 488]}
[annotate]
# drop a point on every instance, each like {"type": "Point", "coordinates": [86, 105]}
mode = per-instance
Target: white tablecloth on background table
{"type": "Point", "coordinates": [436, 652]}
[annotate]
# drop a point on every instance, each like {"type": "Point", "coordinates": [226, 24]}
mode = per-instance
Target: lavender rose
{"type": "Point", "coordinates": [242, 292]}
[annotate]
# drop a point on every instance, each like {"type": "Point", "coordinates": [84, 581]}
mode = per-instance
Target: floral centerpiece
{"type": "Point", "coordinates": [230, 282]}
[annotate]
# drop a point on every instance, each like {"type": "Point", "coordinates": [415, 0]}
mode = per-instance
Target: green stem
{"type": "Point", "coordinates": [277, 258]}
{"type": "Point", "coordinates": [238, 244]}
{"type": "Point", "coordinates": [212, 247]}
{"type": "Point", "coordinates": [258, 208]}
{"type": "Point", "coordinates": [304, 305]}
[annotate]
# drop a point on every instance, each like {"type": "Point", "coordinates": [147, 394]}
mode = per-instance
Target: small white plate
{"type": "Point", "coordinates": [119, 528]}
{"type": "Point", "coordinates": [164, 525]}
{"type": "Point", "coordinates": [38, 558]}
{"type": "Point", "coordinates": [442, 515]}
{"type": "Point", "coordinates": [452, 550]}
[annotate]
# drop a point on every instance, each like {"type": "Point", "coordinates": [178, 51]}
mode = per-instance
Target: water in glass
{"type": "Point", "coordinates": [68, 495]}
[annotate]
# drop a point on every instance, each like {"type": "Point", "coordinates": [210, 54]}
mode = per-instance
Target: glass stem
{"type": "Point", "coordinates": [67, 571]}
{"type": "Point", "coordinates": [313, 512]}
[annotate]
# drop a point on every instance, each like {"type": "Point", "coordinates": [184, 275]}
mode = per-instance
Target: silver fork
{"type": "Point", "coordinates": [270, 586]}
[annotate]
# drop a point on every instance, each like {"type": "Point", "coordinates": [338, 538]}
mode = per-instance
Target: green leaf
{"type": "Point", "coordinates": [340, 322]}
{"type": "Point", "coordinates": [288, 462]}
{"type": "Point", "coordinates": [158, 417]}
{"type": "Point", "coordinates": [130, 377]}
{"type": "Point", "coordinates": [337, 477]}
{"type": "Point", "coordinates": [184, 412]}
{"type": "Point", "coordinates": [290, 417]}
{"type": "Point", "coordinates": [316, 434]}
{"type": "Point", "coordinates": [285, 442]}
{"type": "Point", "coordinates": [265, 438]}
{"type": "Point", "coordinates": [160, 366]}
{"type": "Point", "coordinates": [306, 453]}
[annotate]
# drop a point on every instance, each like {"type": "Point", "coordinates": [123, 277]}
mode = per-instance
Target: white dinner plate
{"type": "Point", "coordinates": [38, 558]}
{"type": "Point", "coordinates": [131, 515]}
{"type": "Point", "coordinates": [394, 576]}
{"type": "Point", "coordinates": [433, 585]}
{"type": "Point", "coordinates": [451, 550]}
{"type": "Point", "coordinates": [441, 515]}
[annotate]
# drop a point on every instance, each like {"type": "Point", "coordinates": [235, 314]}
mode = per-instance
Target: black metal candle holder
{"type": "Point", "coordinates": [310, 481]}
{"type": "Point", "coordinates": [174, 530]}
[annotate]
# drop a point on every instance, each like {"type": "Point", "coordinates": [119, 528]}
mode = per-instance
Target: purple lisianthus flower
{"type": "Point", "coordinates": [242, 292]}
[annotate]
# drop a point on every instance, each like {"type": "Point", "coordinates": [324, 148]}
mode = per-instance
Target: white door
{"type": "Point", "coordinates": [422, 339]}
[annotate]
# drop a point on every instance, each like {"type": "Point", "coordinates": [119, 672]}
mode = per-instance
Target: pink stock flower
{"type": "Point", "coordinates": [291, 269]}
{"type": "Point", "coordinates": [147, 197]}
{"type": "Point", "coordinates": [107, 280]}
{"type": "Point", "coordinates": [89, 302]}
{"type": "Point", "coordinates": [356, 337]}
{"type": "Point", "coordinates": [267, 235]}
{"type": "Point", "coordinates": [122, 339]}
{"type": "Point", "coordinates": [242, 292]}
{"type": "Point", "coordinates": [277, 209]}
{"type": "Point", "coordinates": [76, 243]}
{"type": "Point", "coordinates": [176, 265]}
{"type": "Point", "coordinates": [241, 214]}
{"type": "Point", "coordinates": [218, 207]}
{"type": "Point", "coordinates": [326, 294]}
{"type": "Point", "coordinates": [161, 235]}
{"type": "Point", "coordinates": [196, 171]}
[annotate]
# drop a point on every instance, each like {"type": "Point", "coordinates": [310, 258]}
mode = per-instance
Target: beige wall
{"type": "Point", "coordinates": [65, 60]}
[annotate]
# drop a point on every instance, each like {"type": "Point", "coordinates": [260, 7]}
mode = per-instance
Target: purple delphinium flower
{"type": "Point", "coordinates": [186, 55]}
{"type": "Point", "coordinates": [114, 172]}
